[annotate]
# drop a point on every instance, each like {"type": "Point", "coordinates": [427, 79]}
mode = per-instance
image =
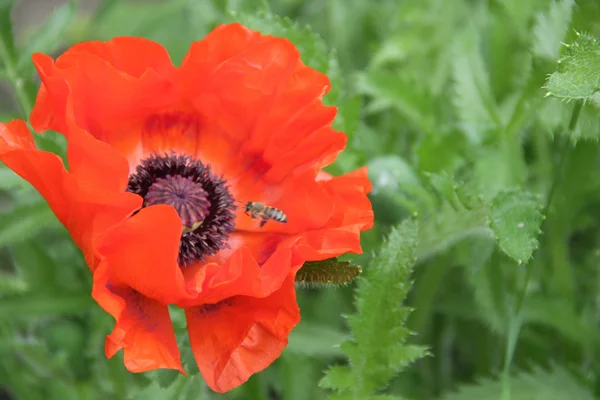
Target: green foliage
{"type": "Point", "coordinates": [473, 99]}
{"type": "Point", "coordinates": [47, 36]}
{"type": "Point", "coordinates": [577, 76]}
{"type": "Point", "coordinates": [551, 27]}
{"type": "Point", "coordinates": [539, 384]}
{"type": "Point", "coordinates": [182, 389]}
{"type": "Point", "coordinates": [445, 102]}
{"type": "Point", "coordinates": [378, 348]}
{"type": "Point", "coordinates": [516, 219]}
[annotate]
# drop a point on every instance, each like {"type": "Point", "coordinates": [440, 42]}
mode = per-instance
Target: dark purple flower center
{"type": "Point", "coordinates": [202, 200]}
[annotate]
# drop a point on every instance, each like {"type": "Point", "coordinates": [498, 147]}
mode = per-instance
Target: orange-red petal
{"type": "Point", "coordinates": [131, 55]}
{"type": "Point", "coordinates": [274, 117]}
{"type": "Point", "coordinates": [141, 253]}
{"type": "Point", "coordinates": [143, 326]}
{"type": "Point", "coordinates": [352, 214]}
{"type": "Point", "coordinates": [111, 97]}
{"type": "Point", "coordinates": [240, 336]}
{"type": "Point", "coordinates": [241, 275]}
{"type": "Point", "coordinates": [87, 209]}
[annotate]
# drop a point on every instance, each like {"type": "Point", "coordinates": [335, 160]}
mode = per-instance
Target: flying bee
{"type": "Point", "coordinates": [264, 212]}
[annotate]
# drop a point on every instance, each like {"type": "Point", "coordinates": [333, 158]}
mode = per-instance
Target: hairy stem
{"type": "Point", "coordinates": [515, 321]}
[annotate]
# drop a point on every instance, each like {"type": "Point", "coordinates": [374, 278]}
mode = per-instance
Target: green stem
{"type": "Point", "coordinates": [515, 321]}
{"type": "Point", "coordinates": [565, 150]}
{"type": "Point", "coordinates": [18, 83]}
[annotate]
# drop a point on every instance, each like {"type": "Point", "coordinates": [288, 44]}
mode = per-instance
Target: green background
{"type": "Point", "coordinates": [445, 101]}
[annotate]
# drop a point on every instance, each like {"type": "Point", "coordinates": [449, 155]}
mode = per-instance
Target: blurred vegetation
{"type": "Point", "coordinates": [449, 104]}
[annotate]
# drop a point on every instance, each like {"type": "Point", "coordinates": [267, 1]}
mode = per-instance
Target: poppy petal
{"type": "Point", "coordinates": [141, 253]}
{"type": "Point", "coordinates": [143, 326]}
{"type": "Point", "coordinates": [306, 204]}
{"type": "Point", "coordinates": [240, 336]}
{"type": "Point", "coordinates": [352, 206]}
{"type": "Point", "coordinates": [128, 54]}
{"type": "Point", "coordinates": [352, 214]}
{"type": "Point", "coordinates": [86, 210]}
{"type": "Point", "coordinates": [109, 103]}
{"type": "Point", "coordinates": [275, 115]}
{"type": "Point", "coordinates": [241, 274]}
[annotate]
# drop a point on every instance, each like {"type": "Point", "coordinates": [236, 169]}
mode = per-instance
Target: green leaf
{"type": "Point", "coordinates": [338, 377]}
{"type": "Point", "coordinates": [516, 221]}
{"type": "Point", "coordinates": [327, 272]}
{"type": "Point", "coordinates": [450, 226]}
{"type": "Point", "coordinates": [551, 28]}
{"type": "Point", "coordinates": [539, 384]}
{"type": "Point", "coordinates": [473, 100]}
{"type": "Point", "coordinates": [48, 36]}
{"type": "Point", "coordinates": [577, 77]}
{"type": "Point", "coordinates": [378, 349]}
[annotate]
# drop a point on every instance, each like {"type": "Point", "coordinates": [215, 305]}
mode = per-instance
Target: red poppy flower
{"type": "Point", "coordinates": [162, 161]}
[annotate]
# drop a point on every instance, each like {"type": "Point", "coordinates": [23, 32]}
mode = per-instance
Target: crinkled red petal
{"type": "Point", "coordinates": [141, 253]}
{"type": "Point", "coordinates": [143, 326]}
{"type": "Point", "coordinates": [240, 274]}
{"type": "Point", "coordinates": [87, 208]}
{"type": "Point", "coordinates": [109, 102]}
{"type": "Point", "coordinates": [240, 336]}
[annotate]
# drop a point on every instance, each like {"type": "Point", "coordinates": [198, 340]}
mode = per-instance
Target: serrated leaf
{"type": "Point", "coordinates": [473, 100]}
{"type": "Point", "coordinates": [540, 384]}
{"type": "Point", "coordinates": [378, 349]}
{"type": "Point", "coordinates": [551, 28]}
{"type": "Point", "coordinates": [578, 76]}
{"type": "Point", "coordinates": [328, 272]}
{"type": "Point", "coordinates": [450, 226]}
{"type": "Point", "coordinates": [516, 220]}
{"type": "Point", "coordinates": [338, 377]}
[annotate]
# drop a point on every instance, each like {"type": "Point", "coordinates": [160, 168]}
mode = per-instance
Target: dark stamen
{"type": "Point", "coordinates": [201, 199]}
